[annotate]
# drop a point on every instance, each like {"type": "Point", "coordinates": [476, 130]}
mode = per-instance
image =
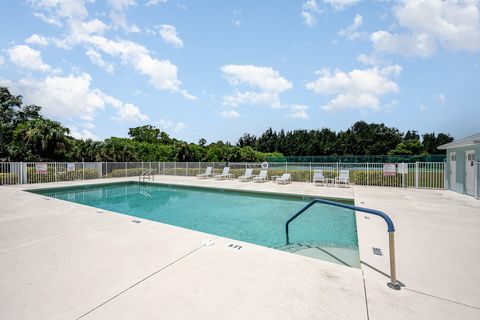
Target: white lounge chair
{"type": "Point", "coordinates": [247, 176]}
{"type": "Point", "coordinates": [343, 178]}
{"type": "Point", "coordinates": [224, 175]}
{"type": "Point", "coordinates": [206, 174]}
{"type": "Point", "coordinates": [262, 177]}
{"type": "Point", "coordinates": [284, 179]}
{"type": "Point", "coordinates": [318, 176]}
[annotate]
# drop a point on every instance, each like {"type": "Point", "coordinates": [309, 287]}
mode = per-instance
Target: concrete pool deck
{"type": "Point", "coordinates": [61, 260]}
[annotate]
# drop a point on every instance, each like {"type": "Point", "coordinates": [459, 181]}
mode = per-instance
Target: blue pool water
{"type": "Point", "coordinates": [246, 216]}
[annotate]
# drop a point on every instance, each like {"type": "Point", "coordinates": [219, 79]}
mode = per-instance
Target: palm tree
{"type": "Point", "coordinates": [42, 137]}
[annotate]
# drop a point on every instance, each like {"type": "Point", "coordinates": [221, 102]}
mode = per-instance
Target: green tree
{"type": "Point", "coordinates": [202, 142]}
{"type": "Point", "coordinates": [431, 142]}
{"type": "Point", "coordinates": [408, 147]}
{"type": "Point", "coordinates": [148, 134]}
{"type": "Point", "coordinates": [41, 139]}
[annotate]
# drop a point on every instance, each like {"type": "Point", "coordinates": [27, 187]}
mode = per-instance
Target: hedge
{"type": "Point", "coordinates": [118, 173]}
{"type": "Point", "coordinates": [33, 177]}
{"type": "Point", "coordinates": [8, 178]}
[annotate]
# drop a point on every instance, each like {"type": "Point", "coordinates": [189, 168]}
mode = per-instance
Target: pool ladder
{"type": "Point", "coordinates": [393, 284]}
{"type": "Point", "coordinates": [147, 174]}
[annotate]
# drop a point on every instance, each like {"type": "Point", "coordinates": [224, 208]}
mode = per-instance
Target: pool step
{"type": "Point", "coordinates": [342, 256]}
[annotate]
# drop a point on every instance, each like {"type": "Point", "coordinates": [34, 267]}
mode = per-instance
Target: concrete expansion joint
{"type": "Point", "coordinates": [138, 282]}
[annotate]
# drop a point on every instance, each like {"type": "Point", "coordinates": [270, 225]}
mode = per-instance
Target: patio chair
{"type": "Point", "coordinates": [318, 176]}
{"type": "Point", "coordinates": [284, 179]}
{"type": "Point", "coordinates": [224, 175]}
{"type": "Point", "coordinates": [206, 174]}
{"type": "Point", "coordinates": [343, 178]}
{"type": "Point", "coordinates": [247, 175]}
{"type": "Point", "coordinates": [262, 177]}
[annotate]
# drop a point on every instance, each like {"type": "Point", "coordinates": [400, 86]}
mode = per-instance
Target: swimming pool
{"type": "Point", "coordinates": [324, 232]}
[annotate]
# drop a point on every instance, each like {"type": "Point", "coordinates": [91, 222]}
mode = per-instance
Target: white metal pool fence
{"type": "Point", "coordinates": [477, 179]}
{"type": "Point", "coordinates": [429, 175]}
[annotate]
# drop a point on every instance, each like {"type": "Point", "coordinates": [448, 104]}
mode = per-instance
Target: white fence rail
{"type": "Point", "coordinates": [430, 175]}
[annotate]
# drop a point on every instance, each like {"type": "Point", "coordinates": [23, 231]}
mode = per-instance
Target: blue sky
{"type": "Point", "coordinates": [217, 69]}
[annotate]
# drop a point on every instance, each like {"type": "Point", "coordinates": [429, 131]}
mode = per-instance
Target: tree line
{"type": "Point", "coordinates": [360, 139]}
{"type": "Point", "coordinates": [26, 135]}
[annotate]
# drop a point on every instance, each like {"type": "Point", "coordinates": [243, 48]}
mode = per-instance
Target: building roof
{"type": "Point", "coordinates": [467, 141]}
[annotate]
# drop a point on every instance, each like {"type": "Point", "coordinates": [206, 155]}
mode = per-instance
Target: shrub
{"type": "Point", "coordinates": [8, 178]}
{"type": "Point", "coordinates": [79, 174]}
{"type": "Point", "coordinates": [118, 173]}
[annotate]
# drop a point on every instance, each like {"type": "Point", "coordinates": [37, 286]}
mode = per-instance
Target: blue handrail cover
{"type": "Point", "coordinates": [388, 220]}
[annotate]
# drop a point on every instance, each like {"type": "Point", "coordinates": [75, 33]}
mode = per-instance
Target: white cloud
{"type": "Point", "coordinates": [129, 113]}
{"type": "Point", "coordinates": [310, 11]}
{"type": "Point", "coordinates": [351, 32]}
{"type": "Point", "coordinates": [371, 60]}
{"type": "Point", "coordinates": [410, 45]}
{"type": "Point", "coordinates": [170, 126]}
{"type": "Point", "coordinates": [96, 59]}
{"type": "Point", "coordinates": [298, 112]}
{"type": "Point", "coordinates": [169, 35]}
{"type": "Point", "coordinates": [72, 97]}
{"type": "Point", "coordinates": [361, 89]}
{"type": "Point", "coordinates": [118, 14]}
{"type": "Point", "coordinates": [452, 25]}
{"type": "Point", "coordinates": [440, 98]}
{"type": "Point", "coordinates": [236, 15]}
{"type": "Point", "coordinates": [155, 2]}
{"type": "Point", "coordinates": [422, 107]}
{"type": "Point", "coordinates": [28, 58]}
{"type": "Point", "coordinates": [253, 98]}
{"type": "Point", "coordinates": [81, 133]}
{"type": "Point", "coordinates": [266, 80]}
{"type": "Point", "coordinates": [37, 39]}
{"type": "Point", "coordinates": [50, 20]}
{"type": "Point", "coordinates": [66, 97]}
{"type": "Point", "coordinates": [72, 9]}
{"type": "Point", "coordinates": [341, 4]}
{"type": "Point", "coordinates": [390, 106]}
{"type": "Point", "coordinates": [88, 125]}
{"type": "Point", "coordinates": [229, 114]}
{"type": "Point", "coordinates": [2, 61]}
{"type": "Point", "coordinates": [162, 73]}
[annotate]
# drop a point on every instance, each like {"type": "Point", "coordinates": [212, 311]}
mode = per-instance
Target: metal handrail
{"type": "Point", "coordinates": [146, 173]}
{"type": "Point", "coordinates": [390, 229]}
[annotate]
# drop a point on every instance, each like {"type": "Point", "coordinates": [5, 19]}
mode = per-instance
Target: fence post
{"type": "Point", "coordinates": [83, 170]}
{"type": "Point", "coordinates": [20, 176]}
{"type": "Point", "coordinates": [126, 169]}
{"type": "Point", "coordinates": [286, 166]}
{"type": "Point", "coordinates": [416, 174]}
{"type": "Point", "coordinates": [186, 168]}
{"type": "Point", "coordinates": [55, 170]}
{"type": "Point", "coordinates": [175, 168]}
{"type": "Point", "coordinates": [368, 175]}
{"type": "Point", "coordinates": [311, 179]}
